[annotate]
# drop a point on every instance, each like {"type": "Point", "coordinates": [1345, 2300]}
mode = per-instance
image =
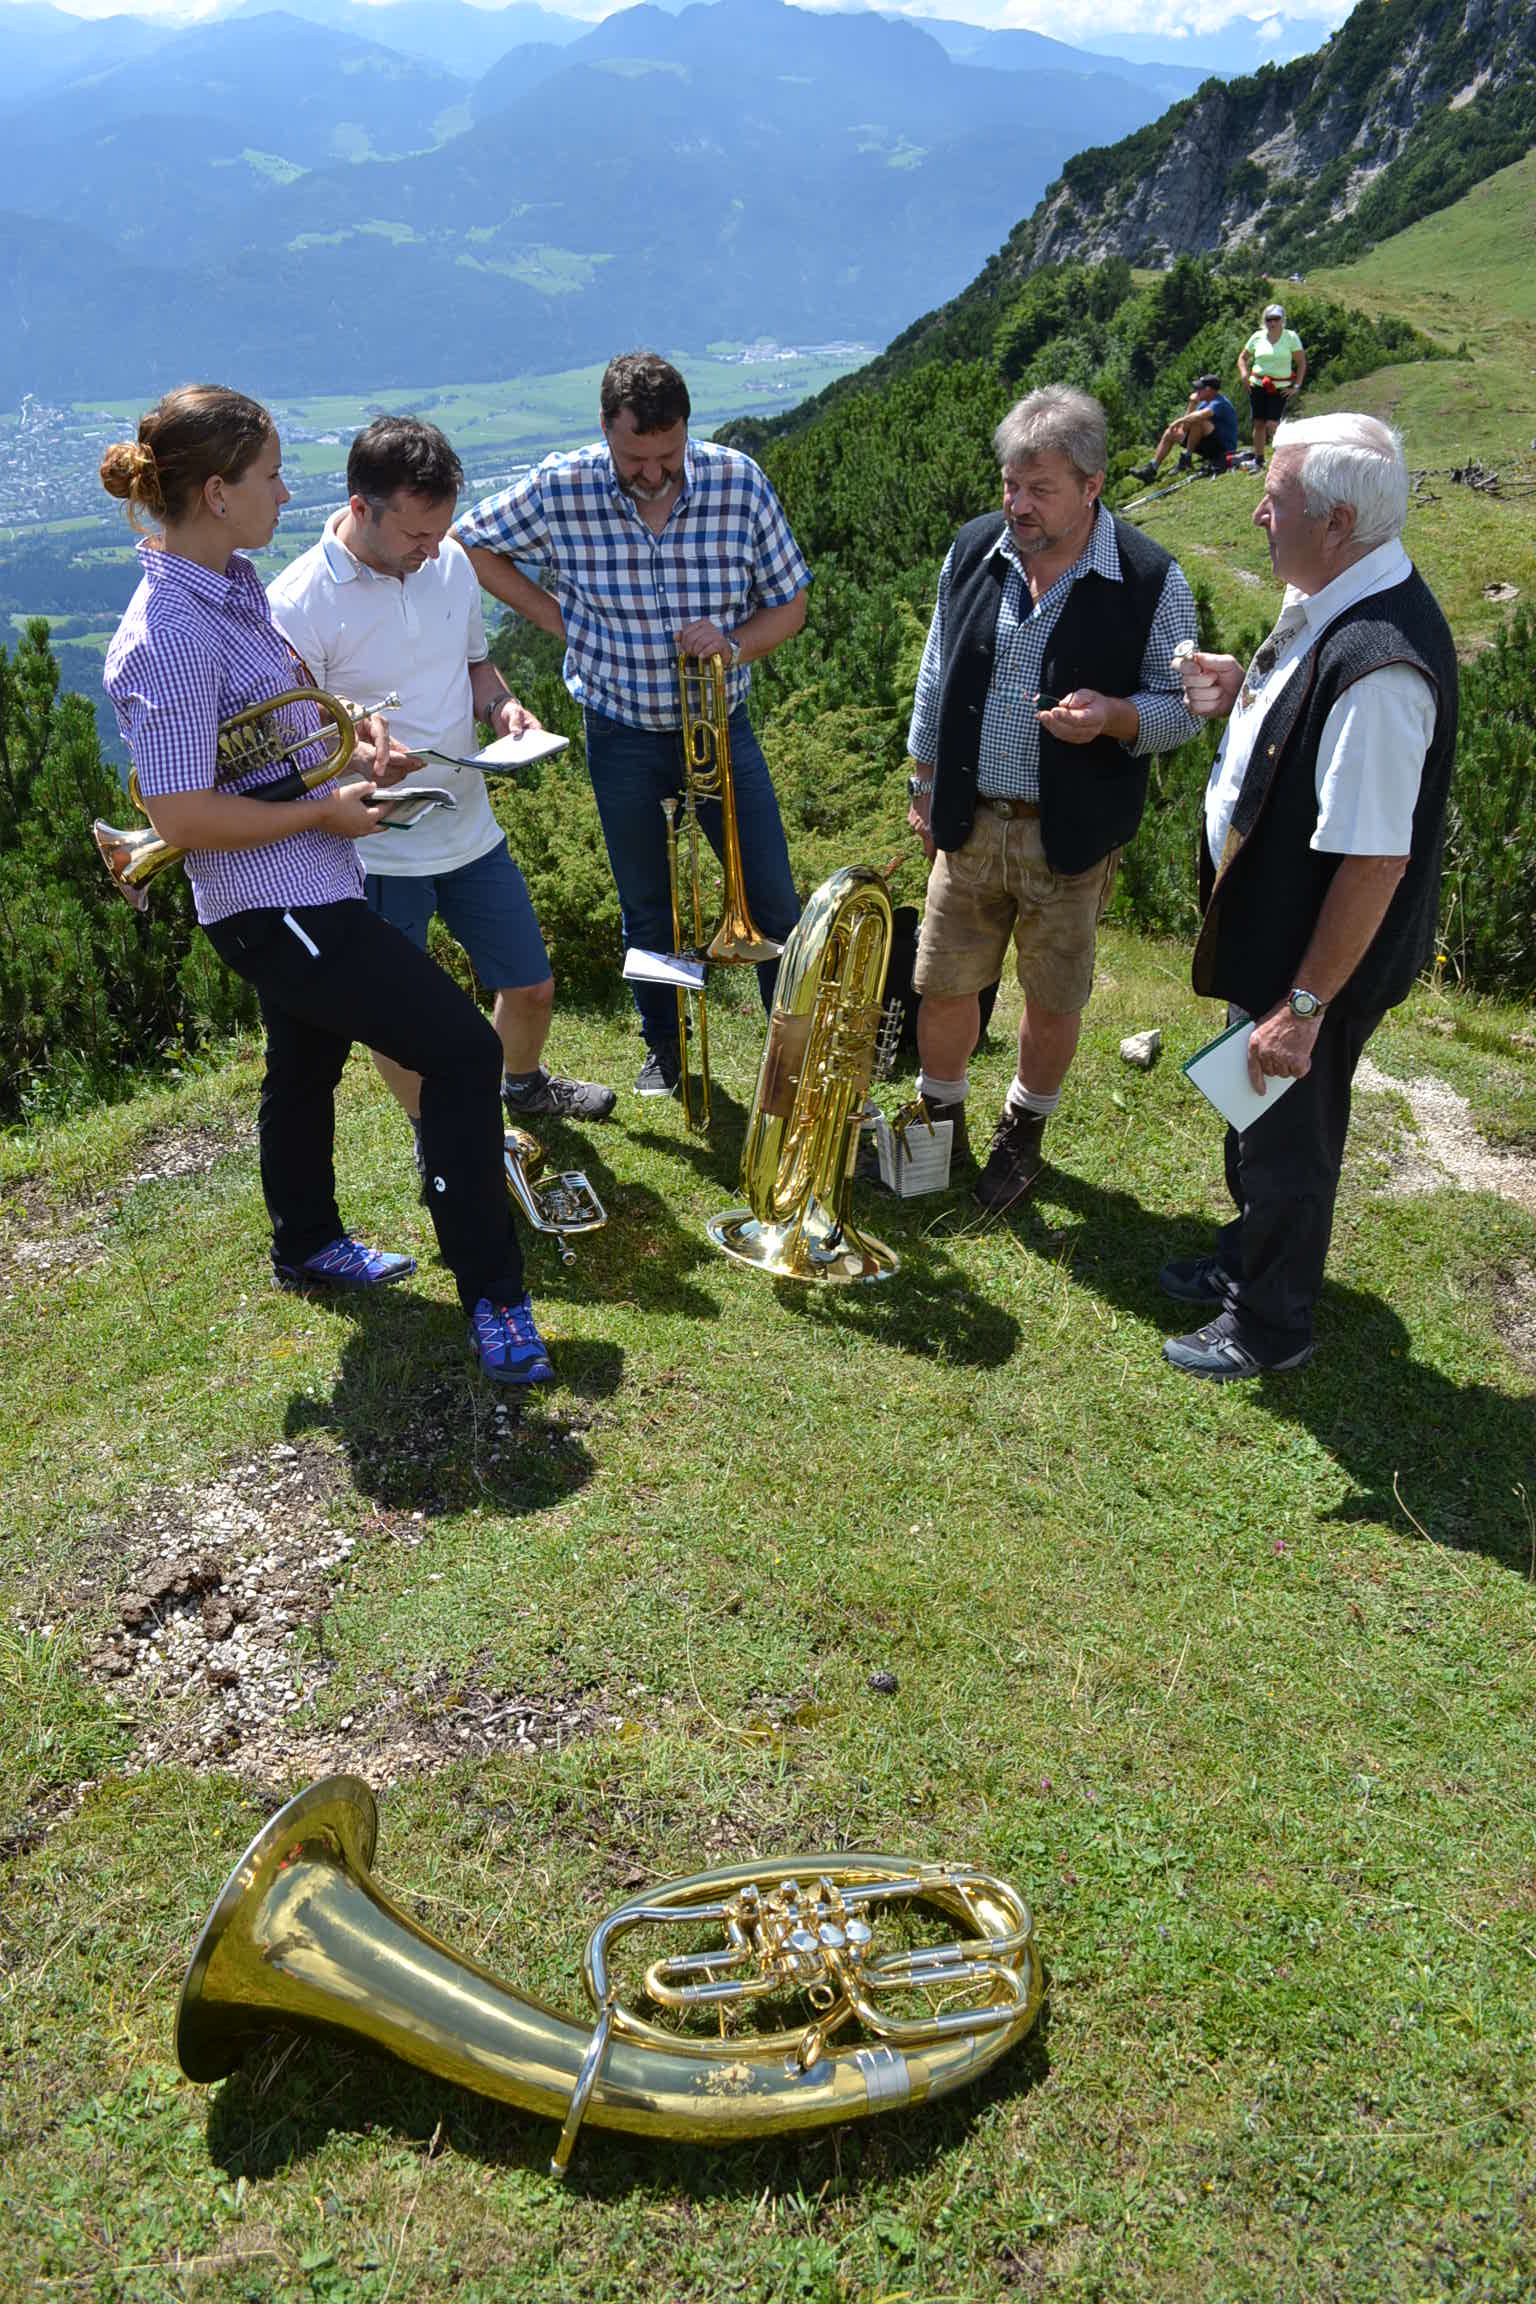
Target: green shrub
{"type": "Point", "coordinates": [91, 992]}
{"type": "Point", "coordinates": [1488, 916]}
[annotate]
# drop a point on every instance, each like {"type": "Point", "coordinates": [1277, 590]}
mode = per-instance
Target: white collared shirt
{"type": "Point", "coordinates": [362, 634]}
{"type": "Point", "coordinates": [1374, 742]}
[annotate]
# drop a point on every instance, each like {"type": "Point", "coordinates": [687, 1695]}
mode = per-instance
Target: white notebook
{"type": "Point", "coordinates": [1220, 1072]}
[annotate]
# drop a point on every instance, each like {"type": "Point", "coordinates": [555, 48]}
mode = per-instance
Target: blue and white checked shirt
{"type": "Point", "coordinates": [726, 550]}
{"type": "Point", "coordinates": [1008, 761]}
{"type": "Point", "coordinates": [194, 647]}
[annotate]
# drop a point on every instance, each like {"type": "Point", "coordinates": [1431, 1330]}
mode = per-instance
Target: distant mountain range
{"type": "Point", "coordinates": [304, 204]}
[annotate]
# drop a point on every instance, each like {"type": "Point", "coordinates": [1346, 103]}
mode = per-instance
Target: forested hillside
{"type": "Point", "coordinates": [1404, 109]}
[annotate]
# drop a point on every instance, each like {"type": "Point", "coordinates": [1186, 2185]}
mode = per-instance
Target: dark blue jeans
{"type": "Point", "coordinates": [633, 770]}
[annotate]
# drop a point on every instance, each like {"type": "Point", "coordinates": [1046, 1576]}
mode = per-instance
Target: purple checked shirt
{"type": "Point", "coordinates": [194, 647]}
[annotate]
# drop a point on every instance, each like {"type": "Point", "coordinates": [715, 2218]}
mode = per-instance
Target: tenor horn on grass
{"type": "Point", "coordinates": [303, 1939]}
{"type": "Point", "coordinates": [560, 1202]}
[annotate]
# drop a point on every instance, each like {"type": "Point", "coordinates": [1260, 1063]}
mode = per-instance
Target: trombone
{"type": "Point", "coordinates": [706, 734]}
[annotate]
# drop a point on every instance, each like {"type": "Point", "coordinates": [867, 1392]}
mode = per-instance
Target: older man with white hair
{"type": "Point", "coordinates": [1320, 864]}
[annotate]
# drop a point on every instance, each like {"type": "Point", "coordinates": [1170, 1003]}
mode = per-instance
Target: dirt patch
{"type": "Point", "coordinates": [41, 1244]}
{"type": "Point", "coordinates": [43, 1241]}
{"type": "Point", "coordinates": [1513, 1297]}
{"type": "Point", "coordinates": [216, 1599]}
{"type": "Point", "coordinates": [1448, 1150]}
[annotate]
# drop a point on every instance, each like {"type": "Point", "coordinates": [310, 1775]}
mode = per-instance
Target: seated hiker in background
{"type": "Point", "coordinates": [1207, 431]}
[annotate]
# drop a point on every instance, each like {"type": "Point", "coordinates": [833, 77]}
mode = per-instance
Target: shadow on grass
{"type": "Point", "coordinates": [424, 1431]}
{"type": "Point", "coordinates": [931, 1310]}
{"type": "Point", "coordinates": [644, 1256]}
{"type": "Point", "coordinates": [293, 2096]}
{"type": "Point", "coordinates": [1424, 1452]}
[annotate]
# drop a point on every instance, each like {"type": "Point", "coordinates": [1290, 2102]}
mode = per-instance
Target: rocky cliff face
{"type": "Point", "coordinates": [1405, 106]}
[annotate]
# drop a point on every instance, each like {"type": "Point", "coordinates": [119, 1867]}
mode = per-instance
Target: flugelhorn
{"type": "Point", "coordinates": [706, 737]}
{"type": "Point", "coordinates": [560, 1203]}
{"type": "Point", "coordinates": [258, 737]}
{"type": "Point", "coordinates": [818, 1062]}
{"type": "Point", "coordinates": [302, 1939]}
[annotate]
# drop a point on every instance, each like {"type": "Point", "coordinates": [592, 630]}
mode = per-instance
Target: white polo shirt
{"type": "Point", "coordinates": [1371, 754]}
{"type": "Point", "coordinates": [363, 634]}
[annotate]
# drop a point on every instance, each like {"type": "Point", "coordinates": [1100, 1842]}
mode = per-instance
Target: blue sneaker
{"type": "Point", "coordinates": [346, 1263]}
{"type": "Point", "coordinates": [508, 1345]}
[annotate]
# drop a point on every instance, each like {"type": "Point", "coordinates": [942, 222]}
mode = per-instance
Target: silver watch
{"type": "Point", "coordinates": [1306, 1005]}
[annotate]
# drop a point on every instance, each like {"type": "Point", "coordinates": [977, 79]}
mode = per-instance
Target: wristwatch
{"type": "Point", "coordinates": [1306, 1005]}
{"type": "Point", "coordinates": [919, 787]}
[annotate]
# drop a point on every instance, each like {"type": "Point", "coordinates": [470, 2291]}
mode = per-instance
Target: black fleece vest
{"type": "Point", "coordinates": [1091, 795]}
{"type": "Point", "coordinates": [1261, 908]}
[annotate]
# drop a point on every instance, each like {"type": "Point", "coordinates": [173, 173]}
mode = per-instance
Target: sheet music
{"type": "Point", "coordinates": [663, 968]}
{"type": "Point", "coordinates": [502, 757]}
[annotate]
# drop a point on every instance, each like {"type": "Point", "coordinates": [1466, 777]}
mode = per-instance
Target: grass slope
{"type": "Point", "coordinates": [1465, 278]}
{"type": "Point", "coordinates": [1237, 1684]}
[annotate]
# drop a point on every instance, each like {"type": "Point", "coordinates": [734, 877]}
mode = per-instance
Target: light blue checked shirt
{"type": "Point", "coordinates": [1008, 761]}
{"type": "Point", "coordinates": [726, 550]}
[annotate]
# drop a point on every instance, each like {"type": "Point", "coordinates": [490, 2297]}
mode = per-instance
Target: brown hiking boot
{"type": "Point", "coordinates": [1013, 1162]}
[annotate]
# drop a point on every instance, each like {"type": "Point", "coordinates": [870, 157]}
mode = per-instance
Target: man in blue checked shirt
{"type": "Point", "coordinates": [654, 541]}
{"type": "Point", "coordinates": [1046, 684]}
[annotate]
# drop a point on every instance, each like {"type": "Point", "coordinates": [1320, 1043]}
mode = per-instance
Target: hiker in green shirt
{"type": "Point", "coordinates": [1272, 366]}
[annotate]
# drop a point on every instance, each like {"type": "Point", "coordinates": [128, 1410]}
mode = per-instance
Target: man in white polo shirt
{"type": "Point", "coordinates": [388, 600]}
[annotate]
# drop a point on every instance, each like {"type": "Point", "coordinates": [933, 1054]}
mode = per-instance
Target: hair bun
{"type": "Point", "coordinates": [129, 470]}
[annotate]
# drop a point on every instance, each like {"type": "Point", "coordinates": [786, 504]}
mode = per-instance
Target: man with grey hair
{"type": "Point", "coordinates": [1320, 864]}
{"type": "Point", "coordinates": [1045, 688]}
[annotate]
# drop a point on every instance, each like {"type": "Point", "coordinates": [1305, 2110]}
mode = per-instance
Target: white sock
{"type": "Point", "coordinates": [943, 1091]}
{"type": "Point", "coordinates": [1020, 1099]}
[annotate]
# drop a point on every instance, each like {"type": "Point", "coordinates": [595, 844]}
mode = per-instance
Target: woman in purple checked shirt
{"type": "Point", "coordinates": [277, 884]}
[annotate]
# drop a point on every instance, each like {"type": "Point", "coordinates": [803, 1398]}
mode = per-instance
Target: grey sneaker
{"type": "Point", "coordinates": [660, 1073]}
{"type": "Point", "coordinates": [1219, 1354]}
{"type": "Point", "coordinates": [551, 1096]}
{"type": "Point", "coordinates": [1013, 1162]}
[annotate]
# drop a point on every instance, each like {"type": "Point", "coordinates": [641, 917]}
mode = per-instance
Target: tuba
{"type": "Point", "coordinates": [258, 737]}
{"type": "Point", "coordinates": [560, 1204]}
{"type": "Point", "coordinates": [302, 1938]}
{"type": "Point", "coordinates": [706, 736]}
{"type": "Point", "coordinates": [819, 1059]}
